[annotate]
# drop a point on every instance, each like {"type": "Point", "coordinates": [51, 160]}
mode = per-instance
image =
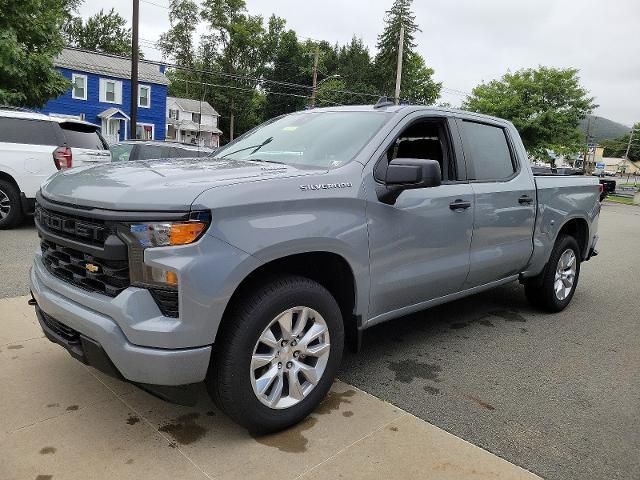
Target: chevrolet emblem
{"type": "Point", "coordinates": [91, 267]}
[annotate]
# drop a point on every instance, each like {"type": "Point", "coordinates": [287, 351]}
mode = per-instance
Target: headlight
{"type": "Point", "coordinates": [167, 234]}
{"type": "Point", "coordinates": [143, 235]}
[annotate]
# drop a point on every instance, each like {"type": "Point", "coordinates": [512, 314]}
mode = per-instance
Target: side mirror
{"type": "Point", "coordinates": [407, 174]}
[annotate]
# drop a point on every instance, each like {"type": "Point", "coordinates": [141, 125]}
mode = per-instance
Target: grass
{"type": "Point", "coordinates": [616, 199]}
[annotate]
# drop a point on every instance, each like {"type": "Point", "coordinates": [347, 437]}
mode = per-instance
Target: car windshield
{"type": "Point", "coordinates": [120, 152]}
{"type": "Point", "coordinates": [316, 139]}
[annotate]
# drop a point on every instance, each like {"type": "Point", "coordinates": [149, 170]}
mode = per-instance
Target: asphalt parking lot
{"type": "Point", "coordinates": [556, 394]}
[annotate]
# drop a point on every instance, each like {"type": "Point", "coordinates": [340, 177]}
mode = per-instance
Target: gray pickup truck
{"type": "Point", "coordinates": [251, 270]}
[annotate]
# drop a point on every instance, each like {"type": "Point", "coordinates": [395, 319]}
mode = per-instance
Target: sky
{"type": "Point", "coordinates": [469, 41]}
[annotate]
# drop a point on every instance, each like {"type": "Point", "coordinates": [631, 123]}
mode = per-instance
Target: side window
{"type": "Point", "coordinates": [31, 132]}
{"type": "Point", "coordinates": [425, 140]}
{"type": "Point", "coordinates": [489, 150]}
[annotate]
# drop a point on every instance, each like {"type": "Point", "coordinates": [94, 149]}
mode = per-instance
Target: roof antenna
{"type": "Point", "coordinates": [383, 102]}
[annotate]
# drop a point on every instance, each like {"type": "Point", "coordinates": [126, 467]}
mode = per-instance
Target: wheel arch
{"type": "Point", "coordinates": [577, 228]}
{"type": "Point", "coordinates": [9, 178]}
{"type": "Point", "coordinates": [329, 269]}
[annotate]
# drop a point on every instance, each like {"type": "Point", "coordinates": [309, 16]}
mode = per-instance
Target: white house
{"type": "Point", "coordinates": [192, 121]}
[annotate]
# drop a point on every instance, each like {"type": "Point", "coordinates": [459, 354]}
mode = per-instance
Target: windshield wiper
{"type": "Point", "coordinates": [255, 147]}
{"type": "Point", "coordinates": [262, 160]}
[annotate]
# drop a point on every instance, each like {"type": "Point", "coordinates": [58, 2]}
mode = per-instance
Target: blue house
{"type": "Point", "coordinates": [100, 93]}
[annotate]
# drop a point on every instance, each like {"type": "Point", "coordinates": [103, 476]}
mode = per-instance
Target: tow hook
{"type": "Point", "coordinates": [32, 301]}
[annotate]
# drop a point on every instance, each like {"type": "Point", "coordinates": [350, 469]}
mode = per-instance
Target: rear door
{"type": "Point", "coordinates": [504, 202]}
{"type": "Point", "coordinates": [86, 144]}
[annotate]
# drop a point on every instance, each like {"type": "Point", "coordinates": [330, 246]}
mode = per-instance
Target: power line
{"type": "Point", "coordinates": [155, 4]}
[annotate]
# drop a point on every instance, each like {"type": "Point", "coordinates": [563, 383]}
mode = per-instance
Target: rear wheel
{"type": "Point", "coordinates": [276, 357]}
{"type": "Point", "coordinates": [554, 288]}
{"type": "Point", "coordinates": [10, 206]}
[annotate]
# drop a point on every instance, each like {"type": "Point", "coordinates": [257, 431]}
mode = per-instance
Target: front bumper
{"type": "Point", "coordinates": [100, 332]}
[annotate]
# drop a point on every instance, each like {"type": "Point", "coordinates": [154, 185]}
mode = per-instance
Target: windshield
{"type": "Point", "coordinates": [318, 139]}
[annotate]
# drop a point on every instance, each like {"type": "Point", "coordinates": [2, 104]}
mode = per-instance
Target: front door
{"type": "Point", "coordinates": [419, 247]}
{"type": "Point", "coordinates": [112, 131]}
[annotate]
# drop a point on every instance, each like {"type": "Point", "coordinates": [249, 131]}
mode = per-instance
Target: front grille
{"type": "Point", "coordinates": [72, 227]}
{"type": "Point", "coordinates": [60, 329]}
{"type": "Point", "coordinates": [167, 301]}
{"type": "Point", "coordinates": [109, 277]}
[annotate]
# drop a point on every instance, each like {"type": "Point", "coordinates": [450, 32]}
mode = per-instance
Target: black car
{"type": "Point", "coordinates": [149, 150]}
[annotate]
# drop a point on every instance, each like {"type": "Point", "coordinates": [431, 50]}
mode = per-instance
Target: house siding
{"type": "Point", "coordinates": [92, 106]}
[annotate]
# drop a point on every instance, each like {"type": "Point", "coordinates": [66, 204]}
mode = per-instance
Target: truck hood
{"type": "Point", "coordinates": [160, 185]}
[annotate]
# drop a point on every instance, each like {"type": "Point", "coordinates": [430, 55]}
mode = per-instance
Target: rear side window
{"type": "Point", "coordinates": [150, 152]}
{"type": "Point", "coordinates": [78, 135]}
{"type": "Point", "coordinates": [489, 150]}
{"type": "Point", "coordinates": [186, 153]}
{"type": "Point", "coordinates": [30, 132]}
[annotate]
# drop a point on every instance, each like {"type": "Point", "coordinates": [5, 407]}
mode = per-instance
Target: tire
{"type": "Point", "coordinates": [232, 381]}
{"type": "Point", "coordinates": [10, 205]}
{"type": "Point", "coordinates": [542, 290]}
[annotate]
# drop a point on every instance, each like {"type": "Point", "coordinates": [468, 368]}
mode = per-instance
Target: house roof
{"type": "Point", "coordinates": [113, 112]}
{"type": "Point", "coordinates": [110, 65]}
{"type": "Point", "coordinates": [190, 105]}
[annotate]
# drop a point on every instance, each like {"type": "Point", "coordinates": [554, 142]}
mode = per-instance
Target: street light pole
{"type": "Point", "coordinates": [399, 68]}
{"type": "Point", "coordinates": [316, 57]}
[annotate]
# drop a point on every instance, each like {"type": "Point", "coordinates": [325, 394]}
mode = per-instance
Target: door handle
{"type": "Point", "coordinates": [525, 199]}
{"type": "Point", "coordinates": [459, 205]}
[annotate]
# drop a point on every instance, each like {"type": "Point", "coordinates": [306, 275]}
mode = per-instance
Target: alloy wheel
{"type": "Point", "coordinates": [5, 205]}
{"type": "Point", "coordinates": [565, 274]}
{"type": "Point", "coordinates": [290, 357]}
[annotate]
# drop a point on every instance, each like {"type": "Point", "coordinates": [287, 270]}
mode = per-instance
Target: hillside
{"type": "Point", "coordinates": [603, 128]}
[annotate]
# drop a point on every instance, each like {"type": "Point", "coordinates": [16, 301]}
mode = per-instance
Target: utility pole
{"type": "Point", "coordinates": [626, 155]}
{"type": "Point", "coordinates": [316, 57]}
{"type": "Point", "coordinates": [232, 120]}
{"type": "Point", "coordinates": [586, 150]}
{"type": "Point", "coordinates": [399, 71]}
{"type": "Point", "coordinates": [134, 68]}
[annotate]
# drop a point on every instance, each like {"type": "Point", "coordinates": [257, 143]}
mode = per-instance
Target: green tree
{"type": "Point", "coordinates": [417, 82]}
{"type": "Point", "coordinates": [545, 104]}
{"type": "Point", "coordinates": [30, 39]}
{"type": "Point", "coordinates": [235, 46]}
{"type": "Point", "coordinates": [618, 147]}
{"type": "Point", "coordinates": [289, 65]}
{"type": "Point", "coordinates": [177, 45]}
{"type": "Point", "coordinates": [103, 32]}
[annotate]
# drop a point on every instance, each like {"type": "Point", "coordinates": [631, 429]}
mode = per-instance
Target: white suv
{"type": "Point", "coordinates": [34, 146]}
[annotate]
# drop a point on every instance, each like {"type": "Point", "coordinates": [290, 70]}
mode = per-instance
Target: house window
{"type": "Point", "coordinates": [110, 91]}
{"type": "Point", "coordinates": [144, 131]}
{"type": "Point", "coordinates": [174, 114]}
{"type": "Point", "coordinates": [78, 86]}
{"type": "Point", "coordinates": [110, 95]}
{"type": "Point", "coordinates": [144, 94]}
{"type": "Point", "coordinates": [195, 117]}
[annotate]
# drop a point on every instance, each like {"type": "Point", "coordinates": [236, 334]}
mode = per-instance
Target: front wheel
{"type": "Point", "coordinates": [554, 288]}
{"type": "Point", "coordinates": [277, 354]}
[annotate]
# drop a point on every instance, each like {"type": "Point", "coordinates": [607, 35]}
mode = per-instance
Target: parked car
{"type": "Point", "coordinates": [33, 147]}
{"type": "Point", "coordinates": [250, 271]}
{"type": "Point", "coordinates": [150, 150]}
{"type": "Point", "coordinates": [608, 186]}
